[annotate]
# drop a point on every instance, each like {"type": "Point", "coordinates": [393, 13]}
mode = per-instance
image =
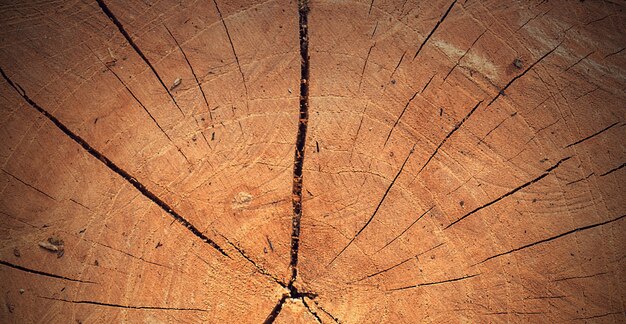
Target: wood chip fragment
{"type": "Point", "coordinates": [49, 246]}
{"type": "Point", "coordinates": [54, 244]}
{"type": "Point", "coordinates": [176, 83]}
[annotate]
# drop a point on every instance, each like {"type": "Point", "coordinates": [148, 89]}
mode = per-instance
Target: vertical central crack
{"type": "Point", "coordinates": [296, 197]}
{"type": "Point", "coordinates": [303, 11]}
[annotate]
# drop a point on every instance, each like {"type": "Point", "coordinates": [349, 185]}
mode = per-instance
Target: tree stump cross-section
{"type": "Point", "coordinates": [312, 161]}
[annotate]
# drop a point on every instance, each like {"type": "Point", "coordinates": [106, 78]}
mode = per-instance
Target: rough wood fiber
{"type": "Point", "coordinates": [313, 161]}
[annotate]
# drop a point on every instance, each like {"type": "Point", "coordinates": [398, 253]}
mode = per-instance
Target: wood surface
{"type": "Point", "coordinates": [375, 161]}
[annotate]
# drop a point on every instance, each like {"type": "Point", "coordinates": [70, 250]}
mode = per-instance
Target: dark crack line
{"type": "Point", "coordinates": [398, 65]}
{"type": "Point", "coordinates": [614, 169]}
{"type": "Point", "coordinates": [193, 72]}
{"type": "Point", "coordinates": [89, 302]}
{"type": "Point", "coordinates": [456, 127]}
{"type": "Point", "coordinates": [482, 140]}
{"type": "Point", "coordinates": [581, 277]}
{"type": "Point", "coordinates": [406, 106]}
{"type": "Point", "coordinates": [599, 316]}
{"type": "Point", "coordinates": [42, 273]}
{"type": "Point", "coordinates": [397, 264]}
{"type": "Point", "coordinates": [428, 83]}
{"type": "Point", "coordinates": [232, 46]}
{"type": "Point", "coordinates": [543, 175]}
{"type": "Point", "coordinates": [105, 9]}
{"type": "Point", "coordinates": [259, 269]}
{"type": "Point", "coordinates": [26, 184]}
{"type": "Point", "coordinates": [303, 12]}
{"type": "Point", "coordinates": [435, 282]}
{"type": "Point", "coordinates": [400, 116]}
{"type": "Point", "coordinates": [616, 52]}
{"type": "Point", "coordinates": [145, 109]}
{"type": "Point", "coordinates": [579, 229]}
{"type": "Point", "coordinates": [406, 229]}
{"type": "Point", "coordinates": [275, 311]}
{"type": "Point", "coordinates": [377, 207]}
{"type": "Point", "coordinates": [434, 29]}
{"type": "Point", "coordinates": [112, 166]}
{"type": "Point", "coordinates": [317, 317]}
{"type": "Point", "coordinates": [463, 56]}
{"type": "Point", "coordinates": [125, 253]}
{"type": "Point", "coordinates": [365, 65]}
{"type": "Point", "coordinates": [579, 180]}
{"type": "Point", "coordinates": [592, 135]}
{"type": "Point", "coordinates": [335, 319]}
{"type": "Point", "coordinates": [522, 74]}
{"type": "Point", "coordinates": [580, 60]}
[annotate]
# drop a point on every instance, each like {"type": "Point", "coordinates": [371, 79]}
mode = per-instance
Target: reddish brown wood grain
{"type": "Point", "coordinates": [312, 161]}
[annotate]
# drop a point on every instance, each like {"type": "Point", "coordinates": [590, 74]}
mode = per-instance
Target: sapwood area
{"type": "Point", "coordinates": [283, 161]}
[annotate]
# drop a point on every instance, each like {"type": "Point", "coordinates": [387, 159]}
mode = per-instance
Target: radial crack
{"type": "Point", "coordinates": [89, 302]}
{"type": "Point", "coordinates": [145, 109]}
{"type": "Point", "coordinates": [195, 76]}
{"type": "Point", "coordinates": [400, 116]}
{"type": "Point", "coordinates": [105, 9]}
{"type": "Point", "coordinates": [377, 207]}
{"type": "Point", "coordinates": [435, 282]}
{"type": "Point", "coordinates": [523, 73]}
{"type": "Point", "coordinates": [27, 184]}
{"type": "Point", "coordinates": [456, 127]}
{"type": "Point", "coordinates": [276, 310]}
{"type": "Point", "coordinates": [543, 175]}
{"type": "Point", "coordinates": [434, 29]}
{"type": "Point", "coordinates": [405, 230]}
{"type": "Point", "coordinates": [303, 12]}
{"type": "Point", "coordinates": [232, 46]}
{"type": "Point", "coordinates": [398, 264]}
{"type": "Point", "coordinates": [41, 273]}
{"type": "Point", "coordinates": [112, 166]}
{"type": "Point", "coordinates": [592, 135]}
{"type": "Point", "coordinates": [579, 229]}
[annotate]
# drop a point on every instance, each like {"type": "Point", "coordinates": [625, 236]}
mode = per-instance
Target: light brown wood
{"type": "Point", "coordinates": [312, 161]}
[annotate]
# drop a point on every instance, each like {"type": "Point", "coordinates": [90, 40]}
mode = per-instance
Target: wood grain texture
{"type": "Point", "coordinates": [374, 161]}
